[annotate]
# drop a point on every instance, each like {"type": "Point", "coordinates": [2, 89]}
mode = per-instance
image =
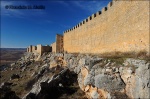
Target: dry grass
{"type": "Point", "coordinates": [137, 55]}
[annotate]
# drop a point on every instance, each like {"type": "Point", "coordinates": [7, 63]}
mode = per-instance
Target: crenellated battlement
{"type": "Point", "coordinates": [91, 17]}
{"type": "Point", "coordinates": [120, 26]}
{"type": "Point", "coordinates": [108, 30]}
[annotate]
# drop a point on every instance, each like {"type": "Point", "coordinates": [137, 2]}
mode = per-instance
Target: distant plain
{"type": "Point", "coordinates": [10, 55]}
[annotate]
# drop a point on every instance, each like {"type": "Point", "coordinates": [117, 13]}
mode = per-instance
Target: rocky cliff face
{"type": "Point", "coordinates": [111, 78]}
{"type": "Point", "coordinates": [63, 75]}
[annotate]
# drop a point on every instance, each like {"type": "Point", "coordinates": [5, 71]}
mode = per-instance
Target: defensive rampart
{"type": "Point", "coordinates": [59, 43]}
{"type": "Point", "coordinates": [53, 47]}
{"type": "Point", "coordinates": [56, 47]}
{"type": "Point", "coordinates": [121, 26]}
{"type": "Point", "coordinates": [39, 49]}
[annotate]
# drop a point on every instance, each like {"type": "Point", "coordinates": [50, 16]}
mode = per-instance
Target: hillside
{"type": "Point", "coordinates": [67, 76]}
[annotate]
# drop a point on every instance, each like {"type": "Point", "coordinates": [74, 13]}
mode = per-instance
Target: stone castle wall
{"type": "Point", "coordinates": [59, 43]}
{"type": "Point", "coordinates": [56, 47]}
{"type": "Point", "coordinates": [30, 48]}
{"type": "Point", "coordinates": [53, 47]}
{"type": "Point", "coordinates": [46, 49]}
{"type": "Point", "coordinates": [34, 48]}
{"type": "Point", "coordinates": [121, 26]}
{"type": "Point", "coordinates": [39, 49]}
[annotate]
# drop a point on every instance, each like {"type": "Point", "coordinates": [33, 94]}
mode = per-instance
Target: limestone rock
{"type": "Point", "coordinates": [110, 83]}
{"type": "Point", "coordinates": [95, 95]}
{"type": "Point", "coordinates": [89, 80]}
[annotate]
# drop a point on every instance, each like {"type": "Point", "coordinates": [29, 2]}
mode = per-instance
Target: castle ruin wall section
{"type": "Point", "coordinates": [59, 43]}
{"type": "Point", "coordinates": [121, 26]}
{"type": "Point", "coordinates": [53, 45]}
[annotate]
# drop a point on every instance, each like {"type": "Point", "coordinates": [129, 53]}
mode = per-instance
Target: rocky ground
{"type": "Point", "coordinates": [75, 76]}
{"type": "Point", "coordinates": [119, 78]}
{"type": "Point", "coordinates": [46, 77]}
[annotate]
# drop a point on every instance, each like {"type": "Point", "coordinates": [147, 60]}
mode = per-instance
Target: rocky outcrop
{"type": "Point", "coordinates": [136, 78]}
{"type": "Point", "coordinates": [6, 92]}
{"type": "Point", "coordinates": [53, 87]}
{"type": "Point", "coordinates": [100, 78]}
{"type": "Point", "coordinates": [104, 78]}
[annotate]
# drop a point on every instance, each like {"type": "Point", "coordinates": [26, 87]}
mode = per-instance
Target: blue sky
{"type": "Point", "coordinates": [23, 27]}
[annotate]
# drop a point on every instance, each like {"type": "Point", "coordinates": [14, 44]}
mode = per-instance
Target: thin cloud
{"type": "Point", "coordinates": [62, 3]}
{"type": "Point", "coordinates": [65, 26]}
{"type": "Point", "coordinates": [91, 6]}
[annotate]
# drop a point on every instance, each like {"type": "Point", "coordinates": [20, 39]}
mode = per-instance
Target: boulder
{"type": "Point", "coordinates": [109, 83]}
{"type": "Point", "coordinates": [53, 88]}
